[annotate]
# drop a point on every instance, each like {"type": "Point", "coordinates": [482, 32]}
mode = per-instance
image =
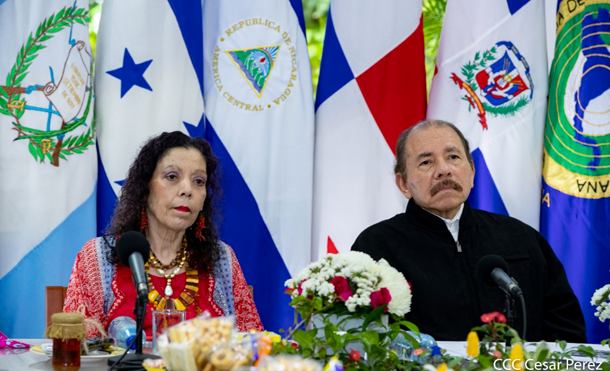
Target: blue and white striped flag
{"type": "Point", "coordinates": [259, 103]}
{"type": "Point", "coordinates": [47, 154]}
{"type": "Point", "coordinates": [492, 83]}
{"type": "Point", "coordinates": [149, 67]}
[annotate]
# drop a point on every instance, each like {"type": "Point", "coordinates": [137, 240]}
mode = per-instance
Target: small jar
{"type": "Point", "coordinates": [67, 332]}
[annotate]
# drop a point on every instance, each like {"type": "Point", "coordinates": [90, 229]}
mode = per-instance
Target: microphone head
{"type": "Point", "coordinates": [487, 264]}
{"type": "Point", "coordinates": [129, 243]}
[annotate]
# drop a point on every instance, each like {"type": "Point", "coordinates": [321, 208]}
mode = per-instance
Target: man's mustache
{"type": "Point", "coordinates": [444, 184]}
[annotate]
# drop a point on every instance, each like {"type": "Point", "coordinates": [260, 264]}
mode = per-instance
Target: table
{"type": "Point", "coordinates": [31, 361]}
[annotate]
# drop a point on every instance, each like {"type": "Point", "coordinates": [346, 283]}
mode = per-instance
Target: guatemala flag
{"type": "Point", "coordinates": [372, 86]}
{"type": "Point", "coordinates": [259, 103]}
{"type": "Point", "coordinates": [575, 216]}
{"type": "Point", "coordinates": [47, 154]}
{"type": "Point", "coordinates": [149, 72]}
{"type": "Point", "coordinates": [492, 84]}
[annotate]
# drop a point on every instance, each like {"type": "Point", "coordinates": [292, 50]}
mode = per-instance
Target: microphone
{"type": "Point", "coordinates": [492, 269]}
{"type": "Point", "coordinates": [133, 250]}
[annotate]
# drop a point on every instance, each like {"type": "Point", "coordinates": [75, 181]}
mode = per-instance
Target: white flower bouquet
{"type": "Point", "coordinates": [351, 283]}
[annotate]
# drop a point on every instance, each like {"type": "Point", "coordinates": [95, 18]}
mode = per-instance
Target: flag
{"type": "Point", "coordinates": [149, 76]}
{"type": "Point", "coordinates": [492, 84]}
{"type": "Point", "coordinates": [47, 154]}
{"type": "Point", "coordinates": [259, 103]}
{"type": "Point", "coordinates": [575, 214]}
{"type": "Point", "coordinates": [372, 86]}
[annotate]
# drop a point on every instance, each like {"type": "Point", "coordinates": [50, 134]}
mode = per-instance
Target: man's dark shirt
{"type": "Point", "coordinates": [448, 299]}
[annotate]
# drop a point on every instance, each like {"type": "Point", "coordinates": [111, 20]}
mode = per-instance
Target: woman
{"type": "Point", "coordinates": [170, 195]}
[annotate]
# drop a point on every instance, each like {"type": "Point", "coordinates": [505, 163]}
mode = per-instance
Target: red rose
{"type": "Point", "coordinates": [381, 297]}
{"type": "Point", "coordinates": [342, 289]}
{"type": "Point", "coordinates": [354, 355]}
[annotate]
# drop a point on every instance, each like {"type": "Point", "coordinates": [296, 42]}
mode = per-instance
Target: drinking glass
{"type": "Point", "coordinates": [162, 319]}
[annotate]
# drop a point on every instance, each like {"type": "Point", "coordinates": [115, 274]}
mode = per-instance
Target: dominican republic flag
{"type": "Point", "coordinates": [259, 103]}
{"type": "Point", "coordinates": [492, 84]}
{"type": "Point", "coordinates": [575, 214]}
{"type": "Point", "coordinates": [149, 78]}
{"type": "Point", "coordinates": [372, 86]}
{"type": "Point", "coordinates": [47, 154]}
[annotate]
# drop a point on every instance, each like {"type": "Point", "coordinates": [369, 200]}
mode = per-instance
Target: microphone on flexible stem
{"type": "Point", "coordinates": [493, 270]}
{"type": "Point", "coordinates": [133, 250]}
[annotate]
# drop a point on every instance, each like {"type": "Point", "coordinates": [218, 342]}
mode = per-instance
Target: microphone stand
{"type": "Point", "coordinates": [134, 361]}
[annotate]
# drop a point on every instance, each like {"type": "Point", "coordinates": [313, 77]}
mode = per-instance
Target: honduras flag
{"type": "Point", "coordinates": [259, 103]}
{"type": "Point", "coordinates": [47, 151]}
{"type": "Point", "coordinates": [149, 73]}
{"type": "Point", "coordinates": [492, 83]}
{"type": "Point", "coordinates": [575, 216]}
{"type": "Point", "coordinates": [372, 86]}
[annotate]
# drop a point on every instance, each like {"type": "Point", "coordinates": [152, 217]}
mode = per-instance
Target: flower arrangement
{"type": "Point", "coordinates": [351, 282]}
{"type": "Point", "coordinates": [341, 289]}
{"type": "Point", "coordinates": [601, 299]}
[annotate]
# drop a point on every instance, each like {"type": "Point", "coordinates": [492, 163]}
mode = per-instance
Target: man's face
{"type": "Point", "coordinates": [439, 177]}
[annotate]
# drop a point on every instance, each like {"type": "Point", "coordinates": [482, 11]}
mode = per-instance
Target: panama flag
{"type": "Point", "coordinates": [47, 151]}
{"type": "Point", "coordinates": [149, 74]}
{"type": "Point", "coordinates": [492, 84]}
{"type": "Point", "coordinates": [575, 215]}
{"type": "Point", "coordinates": [372, 86]}
{"type": "Point", "coordinates": [259, 103]}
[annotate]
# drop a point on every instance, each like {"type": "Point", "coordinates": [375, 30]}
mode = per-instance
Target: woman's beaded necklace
{"type": "Point", "coordinates": [188, 296]}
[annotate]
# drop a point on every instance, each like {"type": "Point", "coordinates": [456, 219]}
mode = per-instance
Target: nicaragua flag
{"type": "Point", "coordinates": [259, 103]}
{"type": "Point", "coordinates": [47, 152]}
{"type": "Point", "coordinates": [575, 215]}
{"type": "Point", "coordinates": [149, 74]}
{"type": "Point", "coordinates": [372, 86]}
{"type": "Point", "coordinates": [492, 84]}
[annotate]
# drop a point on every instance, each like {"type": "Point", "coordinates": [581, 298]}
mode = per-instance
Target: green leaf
{"type": "Point", "coordinates": [77, 150]}
{"type": "Point", "coordinates": [65, 152]}
{"type": "Point", "coordinates": [40, 154]}
{"type": "Point", "coordinates": [72, 140]}
{"type": "Point", "coordinates": [78, 20]}
{"type": "Point", "coordinates": [587, 350]}
{"type": "Point", "coordinates": [54, 30]}
{"type": "Point", "coordinates": [373, 316]}
{"type": "Point", "coordinates": [38, 30]}
{"type": "Point", "coordinates": [318, 302]}
{"type": "Point", "coordinates": [542, 352]}
{"type": "Point", "coordinates": [62, 156]}
{"type": "Point", "coordinates": [50, 157]}
{"type": "Point", "coordinates": [3, 102]}
{"type": "Point", "coordinates": [12, 74]}
{"type": "Point", "coordinates": [45, 38]}
{"type": "Point", "coordinates": [5, 112]}
{"type": "Point", "coordinates": [306, 339]}
{"type": "Point", "coordinates": [369, 338]}
{"type": "Point", "coordinates": [79, 11]}
{"type": "Point", "coordinates": [50, 21]}
{"type": "Point", "coordinates": [33, 151]}
{"type": "Point", "coordinates": [60, 14]}
{"type": "Point", "coordinates": [3, 92]}
{"type": "Point", "coordinates": [20, 78]}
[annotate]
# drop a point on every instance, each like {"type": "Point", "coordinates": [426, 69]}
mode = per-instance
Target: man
{"type": "Point", "coordinates": [439, 240]}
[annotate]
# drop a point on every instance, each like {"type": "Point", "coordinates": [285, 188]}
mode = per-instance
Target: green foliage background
{"type": "Point", "coordinates": [315, 12]}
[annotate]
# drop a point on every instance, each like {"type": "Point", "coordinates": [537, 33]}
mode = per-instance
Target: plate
{"type": "Point", "coordinates": [46, 349]}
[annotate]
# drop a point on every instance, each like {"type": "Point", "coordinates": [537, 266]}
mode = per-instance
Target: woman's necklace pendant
{"type": "Point", "coordinates": [168, 291]}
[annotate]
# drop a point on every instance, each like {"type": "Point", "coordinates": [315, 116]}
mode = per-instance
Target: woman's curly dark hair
{"type": "Point", "coordinates": [135, 191]}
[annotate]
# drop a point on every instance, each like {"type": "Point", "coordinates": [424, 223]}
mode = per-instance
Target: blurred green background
{"type": "Point", "coordinates": [315, 12]}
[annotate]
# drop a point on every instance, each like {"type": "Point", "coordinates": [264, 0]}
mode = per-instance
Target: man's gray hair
{"type": "Point", "coordinates": [401, 143]}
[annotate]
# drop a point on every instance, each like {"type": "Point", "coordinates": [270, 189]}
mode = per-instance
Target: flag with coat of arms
{"type": "Point", "coordinates": [492, 84]}
{"type": "Point", "coordinates": [372, 86]}
{"type": "Point", "coordinates": [575, 211]}
{"type": "Point", "coordinates": [259, 107]}
{"type": "Point", "coordinates": [48, 154]}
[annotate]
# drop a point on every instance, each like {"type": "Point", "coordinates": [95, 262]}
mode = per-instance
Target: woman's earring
{"type": "Point", "coordinates": [199, 227]}
{"type": "Point", "coordinates": [143, 221]}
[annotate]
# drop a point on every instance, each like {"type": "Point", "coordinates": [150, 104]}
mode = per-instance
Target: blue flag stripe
{"type": "Point", "coordinates": [189, 15]}
{"type": "Point", "coordinates": [515, 5]}
{"type": "Point", "coordinates": [51, 263]}
{"type": "Point", "coordinates": [335, 71]}
{"type": "Point", "coordinates": [243, 228]}
{"type": "Point", "coordinates": [580, 238]}
{"type": "Point", "coordinates": [485, 194]}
